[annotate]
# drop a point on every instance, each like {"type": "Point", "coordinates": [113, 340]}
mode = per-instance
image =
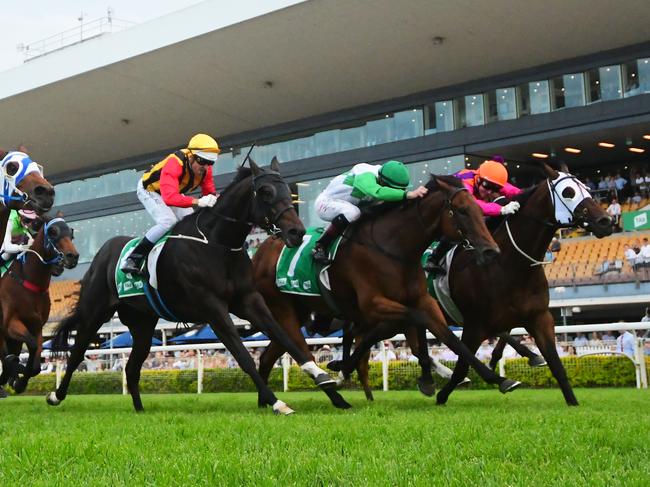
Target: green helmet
{"type": "Point", "coordinates": [394, 174]}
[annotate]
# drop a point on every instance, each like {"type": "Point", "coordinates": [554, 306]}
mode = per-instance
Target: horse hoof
{"type": "Point", "coordinates": [52, 400]}
{"type": "Point", "coordinates": [324, 380]}
{"type": "Point", "coordinates": [335, 365]}
{"type": "Point", "coordinates": [281, 408]}
{"type": "Point", "coordinates": [426, 388]}
{"type": "Point", "coordinates": [466, 380]}
{"type": "Point", "coordinates": [508, 385]}
{"type": "Point", "coordinates": [537, 361]}
{"type": "Point", "coordinates": [20, 385]}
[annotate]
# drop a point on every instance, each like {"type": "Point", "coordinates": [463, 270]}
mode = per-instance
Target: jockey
{"type": "Point", "coordinates": [486, 184]}
{"type": "Point", "coordinates": [162, 190]}
{"type": "Point", "coordinates": [22, 225]}
{"type": "Point", "coordinates": [363, 184]}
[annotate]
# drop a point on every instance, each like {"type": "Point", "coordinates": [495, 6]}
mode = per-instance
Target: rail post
{"type": "Point", "coordinates": [384, 365]}
{"type": "Point", "coordinates": [285, 371]}
{"type": "Point", "coordinates": [639, 359]}
{"type": "Point", "coordinates": [125, 389]}
{"type": "Point", "coordinates": [199, 372]}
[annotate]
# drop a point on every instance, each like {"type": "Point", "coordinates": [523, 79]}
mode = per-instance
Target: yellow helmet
{"type": "Point", "coordinates": [204, 146]}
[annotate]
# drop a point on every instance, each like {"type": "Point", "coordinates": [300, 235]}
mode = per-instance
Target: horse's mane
{"type": "Point", "coordinates": [432, 184]}
{"type": "Point", "coordinates": [524, 196]}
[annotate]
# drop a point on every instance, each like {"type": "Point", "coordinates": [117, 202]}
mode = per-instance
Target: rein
{"type": "Point", "coordinates": [428, 229]}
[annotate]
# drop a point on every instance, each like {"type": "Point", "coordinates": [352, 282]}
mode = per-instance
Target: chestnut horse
{"type": "Point", "coordinates": [513, 290]}
{"type": "Point", "coordinates": [25, 298]}
{"type": "Point", "coordinates": [377, 277]}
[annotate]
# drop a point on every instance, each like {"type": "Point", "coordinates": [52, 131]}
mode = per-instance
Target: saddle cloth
{"type": "Point", "coordinates": [128, 284]}
{"type": "Point", "coordinates": [438, 286]}
{"type": "Point", "coordinates": [297, 273]}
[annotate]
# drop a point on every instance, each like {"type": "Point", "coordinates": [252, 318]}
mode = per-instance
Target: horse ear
{"type": "Point", "coordinates": [549, 171]}
{"type": "Point", "coordinates": [3, 153]}
{"type": "Point", "coordinates": [59, 214]}
{"type": "Point", "coordinates": [275, 164]}
{"type": "Point", "coordinates": [254, 167]}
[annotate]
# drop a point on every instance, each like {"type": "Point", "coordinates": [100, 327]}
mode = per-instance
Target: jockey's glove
{"type": "Point", "coordinates": [510, 208]}
{"type": "Point", "coordinates": [208, 200]}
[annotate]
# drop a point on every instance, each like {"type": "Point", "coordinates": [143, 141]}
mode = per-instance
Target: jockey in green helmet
{"type": "Point", "coordinates": [363, 184]}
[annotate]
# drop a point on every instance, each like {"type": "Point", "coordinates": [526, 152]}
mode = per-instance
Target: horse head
{"type": "Point", "coordinates": [23, 185]}
{"type": "Point", "coordinates": [59, 250]}
{"type": "Point", "coordinates": [462, 219]}
{"type": "Point", "coordinates": [273, 208]}
{"type": "Point", "coordinates": [573, 204]}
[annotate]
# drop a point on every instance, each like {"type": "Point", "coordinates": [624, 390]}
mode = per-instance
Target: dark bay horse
{"type": "Point", "coordinates": [377, 277]}
{"type": "Point", "coordinates": [25, 299]}
{"type": "Point", "coordinates": [512, 290]}
{"type": "Point", "coordinates": [203, 274]}
{"type": "Point", "coordinates": [22, 186]}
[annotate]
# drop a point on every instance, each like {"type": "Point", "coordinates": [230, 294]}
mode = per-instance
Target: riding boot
{"type": "Point", "coordinates": [321, 249]}
{"type": "Point", "coordinates": [135, 261]}
{"type": "Point", "coordinates": [432, 265]}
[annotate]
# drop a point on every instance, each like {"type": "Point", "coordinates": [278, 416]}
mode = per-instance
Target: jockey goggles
{"type": "Point", "coordinates": [206, 158]}
{"type": "Point", "coordinates": [490, 186]}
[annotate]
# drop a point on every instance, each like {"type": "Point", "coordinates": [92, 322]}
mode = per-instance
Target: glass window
{"type": "Point", "coordinates": [307, 193]}
{"type": "Point", "coordinates": [644, 75]}
{"type": "Point", "coordinates": [630, 79]}
{"type": "Point", "coordinates": [408, 124]}
{"type": "Point", "coordinates": [379, 131]}
{"type": "Point", "coordinates": [439, 117]}
{"type": "Point", "coordinates": [593, 85]}
{"type": "Point", "coordinates": [119, 182]}
{"type": "Point", "coordinates": [91, 234]}
{"type": "Point", "coordinates": [568, 91]}
{"type": "Point", "coordinates": [421, 171]}
{"type": "Point", "coordinates": [610, 82]}
{"type": "Point", "coordinates": [502, 104]}
{"type": "Point", "coordinates": [352, 138]}
{"type": "Point", "coordinates": [326, 142]}
{"type": "Point", "coordinates": [471, 111]}
{"type": "Point", "coordinates": [540, 97]}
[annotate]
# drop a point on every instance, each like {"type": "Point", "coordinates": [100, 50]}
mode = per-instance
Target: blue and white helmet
{"type": "Point", "coordinates": [13, 168]}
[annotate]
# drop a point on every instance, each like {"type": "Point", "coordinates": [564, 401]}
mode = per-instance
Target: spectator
{"type": "Point", "coordinates": [390, 355]}
{"type": "Point", "coordinates": [636, 199]}
{"type": "Point", "coordinates": [630, 256]}
{"type": "Point", "coordinates": [625, 343]}
{"type": "Point", "coordinates": [644, 255]}
{"type": "Point", "coordinates": [595, 340]}
{"type": "Point", "coordinates": [639, 182]}
{"type": "Point", "coordinates": [555, 245]}
{"type": "Point", "coordinates": [614, 210]}
{"type": "Point", "coordinates": [93, 364]}
{"type": "Point", "coordinates": [646, 182]}
{"type": "Point", "coordinates": [324, 355]}
{"type": "Point", "coordinates": [607, 338]}
{"type": "Point", "coordinates": [580, 341]}
{"type": "Point", "coordinates": [619, 183]}
{"type": "Point", "coordinates": [646, 317]}
{"type": "Point", "coordinates": [602, 184]}
{"type": "Point", "coordinates": [590, 184]}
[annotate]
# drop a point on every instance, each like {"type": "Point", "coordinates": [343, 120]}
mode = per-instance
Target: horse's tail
{"type": "Point", "coordinates": [86, 305]}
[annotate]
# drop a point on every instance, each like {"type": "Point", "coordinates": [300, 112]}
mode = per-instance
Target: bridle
{"type": "Point", "coordinates": [554, 224]}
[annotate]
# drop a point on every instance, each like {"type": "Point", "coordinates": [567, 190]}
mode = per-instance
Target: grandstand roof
{"type": "Point", "coordinates": [206, 68]}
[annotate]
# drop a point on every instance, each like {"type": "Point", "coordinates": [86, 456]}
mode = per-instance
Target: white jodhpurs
{"type": "Point", "coordinates": [164, 216]}
{"type": "Point", "coordinates": [329, 208]}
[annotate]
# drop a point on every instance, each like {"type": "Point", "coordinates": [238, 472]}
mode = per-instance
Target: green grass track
{"type": "Point", "coordinates": [481, 438]}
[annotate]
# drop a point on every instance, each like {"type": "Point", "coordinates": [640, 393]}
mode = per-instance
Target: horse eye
{"type": "Point", "coordinates": [53, 232]}
{"type": "Point", "coordinates": [12, 168]}
{"type": "Point", "coordinates": [568, 193]}
{"type": "Point", "coordinates": [266, 193]}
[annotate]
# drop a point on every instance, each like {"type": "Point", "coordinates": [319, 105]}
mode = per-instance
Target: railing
{"type": "Point", "coordinates": [70, 37]}
{"type": "Point", "coordinates": [208, 367]}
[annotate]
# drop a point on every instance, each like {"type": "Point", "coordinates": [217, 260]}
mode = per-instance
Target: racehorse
{"type": "Point", "coordinates": [25, 299]}
{"type": "Point", "coordinates": [513, 290]}
{"type": "Point", "coordinates": [203, 274]}
{"type": "Point", "coordinates": [22, 186]}
{"type": "Point", "coordinates": [377, 277]}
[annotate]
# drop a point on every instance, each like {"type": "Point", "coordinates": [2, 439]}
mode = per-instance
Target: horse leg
{"type": "Point", "coordinates": [497, 352]}
{"type": "Point", "coordinates": [141, 325]}
{"type": "Point", "coordinates": [472, 340]}
{"type": "Point", "coordinates": [290, 327]}
{"type": "Point", "coordinates": [543, 331]}
{"type": "Point", "coordinates": [269, 357]}
{"type": "Point", "coordinates": [348, 338]}
{"type": "Point", "coordinates": [85, 333]}
{"type": "Point", "coordinates": [362, 370]}
{"type": "Point", "coordinates": [417, 340]}
{"type": "Point", "coordinates": [252, 307]}
{"type": "Point", "coordinates": [16, 330]}
{"type": "Point", "coordinates": [224, 327]}
{"type": "Point", "coordinates": [534, 360]}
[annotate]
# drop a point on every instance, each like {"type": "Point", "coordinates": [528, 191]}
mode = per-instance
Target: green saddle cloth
{"type": "Point", "coordinates": [128, 284]}
{"type": "Point", "coordinates": [296, 272]}
{"type": "Point", "coordinates": [5, 266]}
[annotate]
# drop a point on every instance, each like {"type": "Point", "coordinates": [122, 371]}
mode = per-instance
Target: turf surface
{"type": "Point", "coordinates": [482, 438]}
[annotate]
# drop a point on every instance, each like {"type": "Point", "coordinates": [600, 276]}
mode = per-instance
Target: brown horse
{"type": "Point", "coordinates": [377, 277]}
{"type": "Point", "coordinates": [25, 298]}
{"type": "Point", "coordinates": [513, 290]}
